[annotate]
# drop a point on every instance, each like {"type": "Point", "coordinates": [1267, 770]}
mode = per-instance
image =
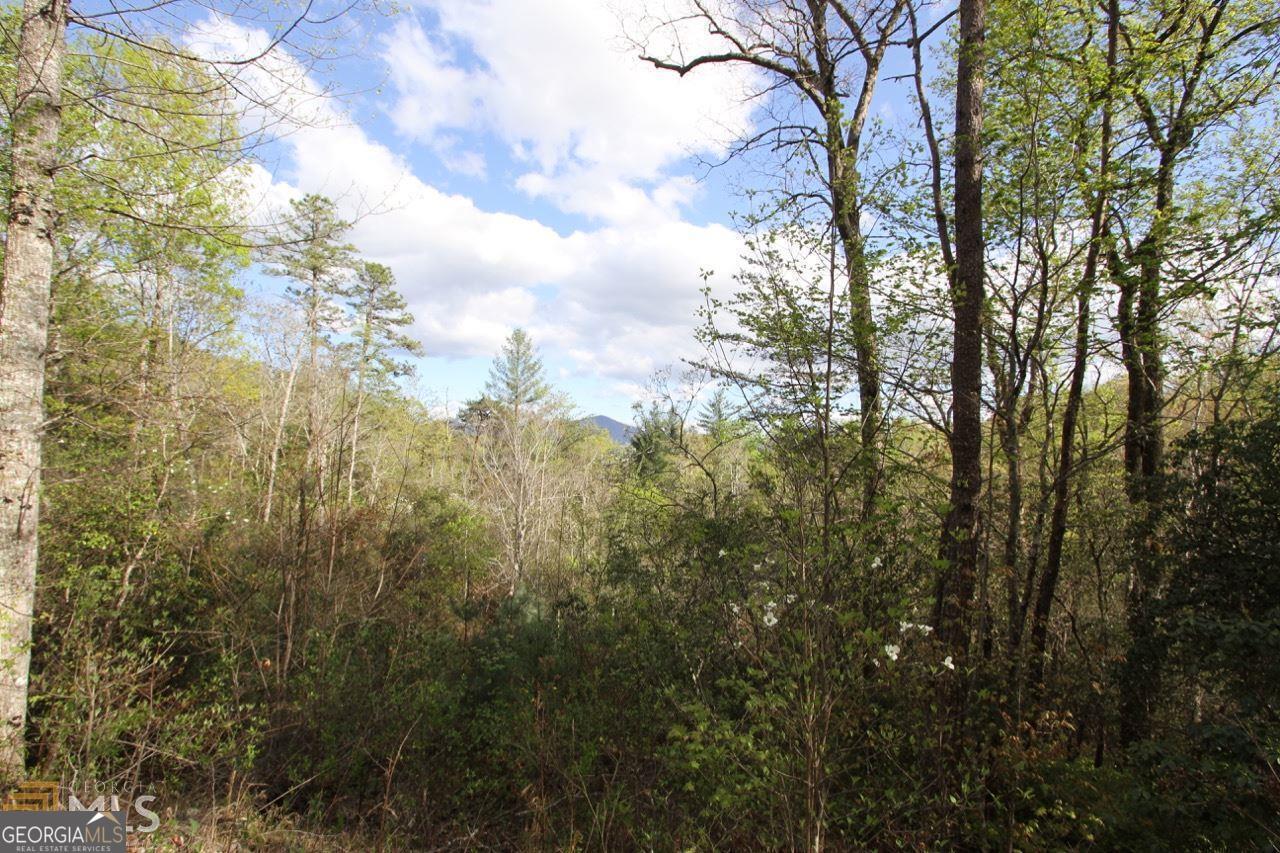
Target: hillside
{"type": "Point", "coordinates": [618, 431]}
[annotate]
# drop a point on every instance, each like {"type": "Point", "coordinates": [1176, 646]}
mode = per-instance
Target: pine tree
{"type": "Point", "coordinates": [657, 431]}
{"type": "Point", "coordinates": [517, 379]}
{"type": "Point", "coordinates": [716, 418]}
{"type": "Point", "coordinates": [380, 313]}
{"type": "Point", "coordinates": [516, 448]}
{"type": "Point", "coordinates": [318, 264]}
{"type": "Point", "coordinates": [313, 256]}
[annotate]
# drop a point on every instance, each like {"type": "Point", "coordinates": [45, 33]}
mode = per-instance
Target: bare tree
{"type": "Point", "coordinates": [828, 53]}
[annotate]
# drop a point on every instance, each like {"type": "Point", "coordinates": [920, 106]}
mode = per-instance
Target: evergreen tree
{"type": "Point", "coordinates": [313, 256]}
{"type": "Point", "coordinates": [517, 443]}
{"type": "Point", "coordinates": [319, 264]}
{"type": "Point", "coordinates": [380, 313]}
{"type": "Point", "coordinates": [651, 444]}
{"type": "Point", "coordinates": [517, 379]}
{"type": "Point", "coordinates": [717, 417]}
{"type": "Point", "coordinates": [475, 414]}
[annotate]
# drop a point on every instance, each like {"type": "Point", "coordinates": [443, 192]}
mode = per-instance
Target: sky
{"type": "Point", "coordinates": [516, 164]}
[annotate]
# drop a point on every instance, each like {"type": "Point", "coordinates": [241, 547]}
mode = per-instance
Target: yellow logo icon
{"type": "Point", "coordinates": [34, 796]}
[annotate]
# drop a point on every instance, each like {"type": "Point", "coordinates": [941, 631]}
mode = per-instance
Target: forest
{"type": "Point", "coordinates": [962, 532]}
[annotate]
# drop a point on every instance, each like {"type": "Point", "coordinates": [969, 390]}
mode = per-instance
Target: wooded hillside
{"type": "Point", "coordinates": [963, 533]}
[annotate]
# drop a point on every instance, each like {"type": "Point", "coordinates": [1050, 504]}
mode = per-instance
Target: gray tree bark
{"type": "Point", "coordinates": [959, 547]}
{"type": "Point", "coordinates": [24, 335]}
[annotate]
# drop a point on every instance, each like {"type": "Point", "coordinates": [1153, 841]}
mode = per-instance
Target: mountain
{"type": "Point", "coordinates": [621, 433]}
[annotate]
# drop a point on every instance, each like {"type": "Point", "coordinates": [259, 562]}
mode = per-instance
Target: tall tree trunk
{"type": "Point", "coordinates": [1140, 300]}
{"type": "Point", "coordinates": [866, 348]}
{"type": "Point", "coordinates": [355, 420]}
{"type": "Point", "coordinates": [24, 336]}
{"type": "Point", "coordinates": [1015, 385]}
{"type": "Point", "coordinates": [362, 371]}
{"type": "Point", "coordinates": [959, 546]}
{"type": "Point", "coordinates": [1075, 392]}
{"type": "Point", "coordinates": [273, 463]}
{"type": "Point", "coordinates": [355, 440]}
{"type": "Point", "coordinates": [313, 467]}
{"type": "Point", "coordinates": [1011, 446]}
{"type": "Point", "coordinates": [843, 143]}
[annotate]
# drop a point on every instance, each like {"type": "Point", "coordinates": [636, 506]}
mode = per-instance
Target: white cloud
{"type": "Point", "coordinates": [617, 301]}
{"type": "Point", "coordinates": [447, 96]}
{"type": "Point", "coordinates": [555, 81]}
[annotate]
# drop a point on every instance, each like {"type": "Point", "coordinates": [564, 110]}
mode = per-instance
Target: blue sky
{"type": "Point", "coordinates": [515, 163]}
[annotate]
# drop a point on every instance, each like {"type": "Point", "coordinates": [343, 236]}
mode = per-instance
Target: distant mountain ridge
{"type": "Point", "coordinates": [618, 431]}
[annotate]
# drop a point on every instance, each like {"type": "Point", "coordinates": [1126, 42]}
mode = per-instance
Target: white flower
{"type": "Point", "coordinates": [876, 563]}
{"type": "Point", "coordinates": [770, 620]}
{"type": "Point", "coordinates": [891, 651]}
{"type": "Point", "coordinates": [722, 552]}
{"type": "Point", "coordinates": [948, 662]}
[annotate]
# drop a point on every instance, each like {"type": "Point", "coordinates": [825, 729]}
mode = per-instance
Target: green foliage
{"type": "Point", "coordinates": [516, 378]}
{"type": "Point", "coordinates": [506, 633]}
{"type": "Point", "coordinates": [380, 313]}
{"type": "Point", "coordinates": [311, 254]}
{"type": "Point", "coordinates": [1219, 636]}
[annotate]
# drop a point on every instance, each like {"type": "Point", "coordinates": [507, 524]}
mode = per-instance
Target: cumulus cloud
{"type": "Point", "coordinates": [559, 85]}
{"type": "Point", "coordinates": [616, 300]}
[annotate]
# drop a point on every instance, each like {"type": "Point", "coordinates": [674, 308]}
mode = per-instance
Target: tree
{"type": "Point", "coordinates": [1194, 68]}
{"type": "Point", "coordinates": [31, 231]}
{"type": "Point", "coordinates": [312, 255]}
{"type": "Point", "coordinates": [24, 332]}
{"type": "Point", "coordinates": [319, 265]}
{"type": "Point", "coordinates": [1096, 185]}
{"type": "Point", "coordinates": [717, 418]}
{"type": "Point", "coordinates": [651, 444]}
{"type": "Point", "coordinates": [959, 549]}
{"type": "Point", "coordinates": [1217, 638]}
{"type": "Point", "coordinates": [380, 312]}
{"type": "Point", "coordinates": [829, 54]}
{"type": "Point", "coordinates": [516, 378]}
{"type": "Point", "coordinates": [515, 452]}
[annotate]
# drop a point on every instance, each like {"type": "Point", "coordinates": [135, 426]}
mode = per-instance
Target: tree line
{"type": "Point", "coordinates": [960, 534]}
